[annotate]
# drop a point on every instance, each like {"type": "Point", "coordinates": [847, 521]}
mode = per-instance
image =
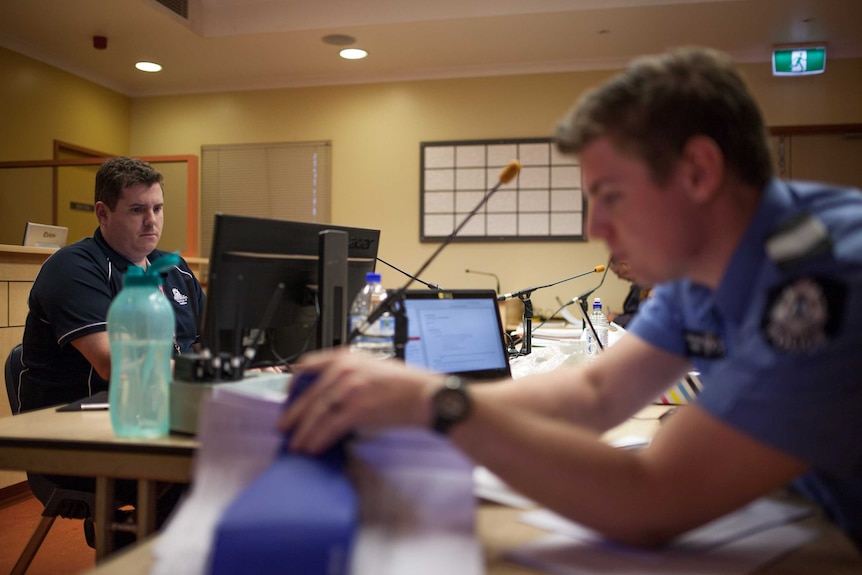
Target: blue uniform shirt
{"type": "Point", "coordinates": [70, 299]}
{"type": "Point", "coordinates": [779, 343]}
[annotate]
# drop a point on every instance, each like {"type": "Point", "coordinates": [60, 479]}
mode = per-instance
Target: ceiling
{"type": "Point", "coordinates": [228, 45]}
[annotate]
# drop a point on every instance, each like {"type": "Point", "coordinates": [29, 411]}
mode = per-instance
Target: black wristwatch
{"type": "Point", "coordinates": [451, 404]}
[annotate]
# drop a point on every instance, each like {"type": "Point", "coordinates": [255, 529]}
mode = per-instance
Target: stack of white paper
{"type": "Point", "coordinates": [415, 491]}
{"type": "Point", "coordinates": [418, 509]}
{"type": "Point", "coordinates": [238, 440]}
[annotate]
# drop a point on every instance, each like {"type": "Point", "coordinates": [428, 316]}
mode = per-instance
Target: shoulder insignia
{"type": "Point", "coordinates": [797, 240]}
{"type": "Point", "coordinates": [803, 315]}
{"type": "Point", "coordinates": [179, 297]}
{"type": "Point", "coordinates": [704, 344]}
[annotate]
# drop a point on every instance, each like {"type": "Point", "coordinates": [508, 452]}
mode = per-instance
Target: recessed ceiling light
{"type": "Point", "coordinates": [353, 54]}
{"type": "Point", "coordinates": [148, 67]}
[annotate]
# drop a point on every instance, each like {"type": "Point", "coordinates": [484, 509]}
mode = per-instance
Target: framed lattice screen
{"type": "Point", "coordinates": [544, 203]}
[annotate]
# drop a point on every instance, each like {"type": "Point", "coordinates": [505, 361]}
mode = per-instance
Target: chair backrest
{"type": "Point", "coordinates": [14, 368]}
{"type": "Point", "coordinates": [68, 503]}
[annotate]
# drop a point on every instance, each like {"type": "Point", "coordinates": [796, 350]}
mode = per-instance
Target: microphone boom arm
{"type": "Point", "coordinates": [528, 291]}
{"type": "Point", "coordinates": [584, 297]}
{"type": "Point", "coordinates": [506, 175]}
{"type": "Point", "coordinates": [524, 296]}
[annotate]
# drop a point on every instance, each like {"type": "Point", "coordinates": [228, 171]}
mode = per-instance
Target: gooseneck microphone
{"type": "Point", "coordinates": [493, 275]}
{"type": "Point", "coordinates": [582, 301]}
{"type": "Point", "coordinates": [393, 303]}
{"type": "Point", "coordinates": [524, 296]}
{"type": "Point", "coordinates": [596, 270]}
{"type": "Point", "coordinates": [430, 285]}
{"type": "Point", "coordinates": [584, 297]}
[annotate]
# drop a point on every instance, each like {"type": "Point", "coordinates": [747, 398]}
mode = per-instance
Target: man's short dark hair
{"type": "Point", "coordinates": [117, 174]}
{"type": "Point", "coordinates": [658, 103]}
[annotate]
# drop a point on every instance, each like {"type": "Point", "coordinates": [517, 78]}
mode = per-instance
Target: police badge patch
{"type": "Point", "coordinates": [803, 315]}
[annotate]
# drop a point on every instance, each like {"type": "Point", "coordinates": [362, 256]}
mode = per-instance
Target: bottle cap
{"type": "Point", "coordinates": [372, 277]}
{"type": "Point", "coordinates": [135, 276]}
{"type": "Point", "coordinates": [163, 263]}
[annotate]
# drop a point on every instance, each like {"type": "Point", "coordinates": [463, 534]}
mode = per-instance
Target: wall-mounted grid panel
{"type": "Point", "coordinates": [544, 203]}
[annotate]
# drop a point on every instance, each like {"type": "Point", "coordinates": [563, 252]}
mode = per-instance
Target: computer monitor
{"type": "Point", "coordinates": [252, 257]}
{"type": "Point", "coordinates": [44, 235]}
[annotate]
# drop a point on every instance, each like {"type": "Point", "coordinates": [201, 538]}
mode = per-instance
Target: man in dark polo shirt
{"type": "Point", "coordinates": [66, 351]}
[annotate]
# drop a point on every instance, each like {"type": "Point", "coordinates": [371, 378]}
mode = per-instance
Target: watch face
{"type": "Point", "coordinates": [451, 405]}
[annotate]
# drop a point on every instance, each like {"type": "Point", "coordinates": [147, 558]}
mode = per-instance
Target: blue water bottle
{"type": "Point", "coordinates": [141, 334]}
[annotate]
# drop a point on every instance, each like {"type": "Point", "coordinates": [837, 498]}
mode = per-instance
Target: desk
{"type": "Point", "coordinates": [499, 529]}
{"type": "Point", "coordinates": [82, 443]}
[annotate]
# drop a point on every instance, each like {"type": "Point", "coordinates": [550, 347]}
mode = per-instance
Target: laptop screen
{"type": "Point", "coordinates": [456, 332]}
{"type": "Point", "coordinates": [44, 235]}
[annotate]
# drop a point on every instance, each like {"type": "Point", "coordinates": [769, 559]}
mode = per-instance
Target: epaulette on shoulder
{"type": "Point", "coordinates": [798, 240]}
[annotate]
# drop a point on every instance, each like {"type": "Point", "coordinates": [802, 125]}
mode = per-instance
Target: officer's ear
{"type": "Point", "coordinates": [701, 168]}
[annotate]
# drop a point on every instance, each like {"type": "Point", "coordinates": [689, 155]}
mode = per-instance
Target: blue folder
{"type": "Point", "coordinates": [299, 516]}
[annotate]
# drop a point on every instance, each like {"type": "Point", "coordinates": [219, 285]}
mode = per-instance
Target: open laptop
{"type": "Point", "coordinates": [458, 332]}
{"type": "Point", "coordinates": [45, 236]}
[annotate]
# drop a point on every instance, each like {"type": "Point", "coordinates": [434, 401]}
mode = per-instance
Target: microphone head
{"type": "Point", "coordinates": [599, 269]}
{"type": "Point", "coordinates": [511, 170]}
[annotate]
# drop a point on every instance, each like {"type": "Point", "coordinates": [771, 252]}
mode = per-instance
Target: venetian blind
{"type": "Point", "coordinates": [288, 181]}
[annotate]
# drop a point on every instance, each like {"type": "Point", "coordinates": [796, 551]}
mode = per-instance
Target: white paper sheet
{"type": "Point", "coordinates": [758, 515]}
{"type": "Point", "coordinates": [563, 555]}
{"type": "Point", "coordinates": [737, 543]}
{"type": "Point", "coordinates": [488, 486]}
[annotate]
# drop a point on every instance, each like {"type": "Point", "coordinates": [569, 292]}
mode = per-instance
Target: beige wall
{"type": "Point", "coordinates": [40, 104]}
{"type": "Point", "coordinates": [376, 130]}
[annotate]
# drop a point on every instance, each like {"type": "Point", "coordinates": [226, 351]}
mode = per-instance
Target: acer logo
{"type": "Point", "coordinates": [360, 243]}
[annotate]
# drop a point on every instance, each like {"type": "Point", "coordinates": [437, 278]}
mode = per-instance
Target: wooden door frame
{"type": "Point", "coordinates": [96, 158]}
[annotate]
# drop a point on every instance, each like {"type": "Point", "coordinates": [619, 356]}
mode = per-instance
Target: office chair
{"type": "Point", "coordinates": [58, 502]}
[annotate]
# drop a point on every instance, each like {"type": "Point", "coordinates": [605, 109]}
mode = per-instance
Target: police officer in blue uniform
{"type": "Point", "coordinates": [759, 287]}
{"type": "Point", "coordinates": [777, 342]}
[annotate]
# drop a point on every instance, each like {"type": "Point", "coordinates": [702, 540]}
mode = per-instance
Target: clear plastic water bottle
{"type": "Point", "coordinates": [141, 333]}
{"type": "Point", "coordinates": [377, 339]}
{"type": "Point", "coordinates": [600, 323]}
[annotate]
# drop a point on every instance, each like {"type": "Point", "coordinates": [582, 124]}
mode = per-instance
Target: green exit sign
{"type": "Point", "coordinates": [798, 61]}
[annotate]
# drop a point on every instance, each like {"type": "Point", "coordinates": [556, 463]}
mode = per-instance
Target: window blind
{"type": "Point", "coordinates": [288, 181]}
